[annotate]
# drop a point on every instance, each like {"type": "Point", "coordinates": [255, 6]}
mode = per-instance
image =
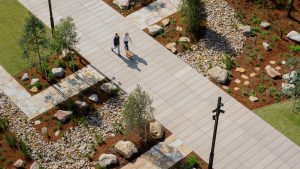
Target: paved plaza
{"type": "Point", "coordinates": [183, 99]}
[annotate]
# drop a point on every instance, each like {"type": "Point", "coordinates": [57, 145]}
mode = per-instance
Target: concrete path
{"type": "Point", "coordinates": [153, 13]}
{"type": "Point", "coordinates": [45, 100]}
{"type": "Point", "coordinates": [161, 156]}
{"type": "Point", "coordinates": [183, 98]}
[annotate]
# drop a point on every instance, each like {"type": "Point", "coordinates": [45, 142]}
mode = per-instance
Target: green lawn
{"type": "Point", "coordinates": [12, 17]}
{"type": "Point", "coordinates": [281, 117]}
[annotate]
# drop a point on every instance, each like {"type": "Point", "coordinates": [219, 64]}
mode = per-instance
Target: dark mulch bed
{"type": "Point", "coordinates": [201, 164]}
{"type": "Point", "coordinates": [48, 120]}
{"type": "Point", "coordinates": [171, 35]}
{"type": "Point", "coordinates": [254, 55]}
{"type": "Point", "coordinates": [108, 147]}
{"type": "Point", "coordinates": [9, 155]}
{"type": "Point", "coordinates": [137, 6]}
{"type": "Point", "coordinates": [34, 73]}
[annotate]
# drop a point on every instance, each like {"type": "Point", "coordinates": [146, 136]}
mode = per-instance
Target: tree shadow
{"type": "Point", "coordinates": [217, 42]}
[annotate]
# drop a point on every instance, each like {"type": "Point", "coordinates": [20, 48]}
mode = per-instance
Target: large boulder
{"type": "Point", "coordinates": [34, 165]}
{"type": "Point", "coordinates": [58, 72]}
{"type": "Point", "coordinates": [156, 130]}
{"type": "Point", "coordinates": [25, 77]}
{"type": "Point", "coordinates": [108, 87]}
{"type": "Point", "coordinates": [34, 80]}
{"type": "Point", "coordinates": [19, 163]}
{"type": "Point", "coordinates": [265, 25]}
{"type": "Point", "coordinates": [122, 4]}
{"type": "Point", "coordinates": [94, 98]}
{"type": "Point", "coordinates": [273, 73]}
{"type": "Point", "coordinates": [155, 30]}
{"type": "Point", "coordinates": [288, 89]}
{"type": "Point", "coordinates": [172, 47]}
{"type": "Point", "coordinates": [184, 39]}
{"type": "Point", "coordinates": [126, 148]}
{"type": "Point", "coordinates": [63, 115]}
{"type": "Point", "coordinates": [290, 77]}
{"type": "Point", "coordinates": [107, 160]}
{"type": "Point", "coordinates": [293, 35]}
{"type": "Point", "coordinates": [218, 74]}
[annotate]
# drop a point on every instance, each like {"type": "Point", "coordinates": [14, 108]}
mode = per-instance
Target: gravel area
{"type": "Point", "coordinates": [221, 37]}
{"type": "Point", "coordinates": [70, 151]}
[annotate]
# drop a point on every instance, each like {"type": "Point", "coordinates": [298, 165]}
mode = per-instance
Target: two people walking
{"type": "Point", "coordinates": [116, 41]}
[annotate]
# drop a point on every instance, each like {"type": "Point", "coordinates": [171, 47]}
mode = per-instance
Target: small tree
{"type": "Point", "coordinates": [64, 36]}
{"type": "Point", "coordinates": [294, 63]}
{"type": "Point", "coordinates": [193, 14]}
{"type": "Point", "coordinates": [138, 111]}
{"type": "Point", "coordinates": [34, 39]}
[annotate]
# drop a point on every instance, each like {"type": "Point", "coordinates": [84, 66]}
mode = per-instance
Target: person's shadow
{"type": "Point", "coordinates": [134, 61]}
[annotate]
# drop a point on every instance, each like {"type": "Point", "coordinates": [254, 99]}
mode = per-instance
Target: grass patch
{"type": "Point", "coordinates": [281, 117]}
{"type": "Point", "coordinates": [12, 18]}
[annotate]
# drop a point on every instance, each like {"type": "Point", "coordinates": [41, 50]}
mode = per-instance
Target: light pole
{"type": "Point", "coordinates": [216, 119]}
{"type": "Point", "coordinates": [51, 16]}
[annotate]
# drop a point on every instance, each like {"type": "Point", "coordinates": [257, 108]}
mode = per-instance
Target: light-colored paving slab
{"type": "Point", "coordinates": [45, 100]}
{"type": "Point", "coordinates": [153, 13]}
{"type": "Point", "coordinates": [183, 98]}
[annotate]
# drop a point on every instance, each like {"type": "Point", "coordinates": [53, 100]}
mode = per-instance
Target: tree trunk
{"type": "Point", "coordinates": [290, 8]}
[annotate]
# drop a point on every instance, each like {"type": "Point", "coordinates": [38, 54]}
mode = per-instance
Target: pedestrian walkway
{"type": "Point", "coordinates": [161, 156]}
{"type": "Point", "coordinates": [153, 13]}
{"type": "Point", "coordinates": [47, 99]}
{"type": "Point", "coordinates": [183, 99]}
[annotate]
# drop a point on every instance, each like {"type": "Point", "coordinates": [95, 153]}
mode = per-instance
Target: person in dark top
{"type": "Point", "coordinates": [116, 43]}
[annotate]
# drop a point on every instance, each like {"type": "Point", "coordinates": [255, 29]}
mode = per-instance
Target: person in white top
{"type": "Point", "coordinates": [126, 39]}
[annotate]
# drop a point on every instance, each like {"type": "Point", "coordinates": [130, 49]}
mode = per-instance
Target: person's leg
{"type": "Point", "coordinates": [118, 46]}
{"type": "Point", "coordinates": [126, 45]}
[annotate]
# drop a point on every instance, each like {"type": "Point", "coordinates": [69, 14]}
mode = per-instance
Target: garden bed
{"type": "Point", "coordinates": [174, 31]}
{"type": "Point", "coordinates": [52, 62]}
{"type": "Point", "coordinates": [108, 146]}
{"type": "Point", "coordinates": [255, 57]}
{"type": "Point", "coordinates": [137, 6]}
{"type": "Point", "coordinates": [10, 151]}
{"type": "Point", "coordinates": [192, 160]}
{"type": "Point", "coordinates": [52, 124]}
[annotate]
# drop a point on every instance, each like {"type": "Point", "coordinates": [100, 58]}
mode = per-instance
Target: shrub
{"type": "Point", "coordinates": [294, 48]}
{"type": "Point", "coordinates": [71, 105]}
{"type": "Point", "coordinates": [229, 62]}
{"type": "Point", "coordinates": [244, 93]}
{"type": "Point", "coordinates": [265, 33]}
{"type": "Point", "coordinates": [38, 85]}
{"type": "Point", "coordinates": [3, 124]}
{"type": "Point", "coordinates": [25, 149]}
{"type": "Point", "coordinates": [275, 38]}
{"type": "Point", "coordinates": [191, 162]}
{"type": "Point", "coordinates": [50, 76]}
{"type": "Point", "coordinates": [255, 20]}
{"type": "Point", "coordinates": [11, 141]}
{"type": "Point", "coordinates": [73, 66]}
{"type": "Point", "coordinates": [114, 92]}
{"type": "Point", "coordinates": [261, 88]}
{"type": "Point", "coordinates": [252, 93]}
{"type": "Point", "coordinates": [99, 139]}
{"type": "Point", "coordinates": [60, 63]}
{"type": "Point", "coordinates": [255, 30]}
{"type": "Point", "coordinates": [44, 69]}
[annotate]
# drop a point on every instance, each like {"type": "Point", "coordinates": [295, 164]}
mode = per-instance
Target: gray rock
{"type": "Point", "coordinates": [253, 99]}
{"type": "Point", "coordinates": [156, 130]}
{"type": "Point", "coordinates": [108, 87]}
{"type": "Point", "coordinates": [25, 77]}
{"type": "Point", "coordinates": [34, 80]}
{"type": "Point", "coordinates": [184, 39]}
{"type": "Point", "coordinates": [81, 104]}
{"type": "Point", "coordinates": [273, 73]}
{"type": "Point", "coordinates": [34, 89]}
{"type": "Point", "coordinates": [266, 46]}
{"type": "Point", "coordinates": [288, 89]}
{"type": "Point", "coordinates": [126, 148]}
{"type": "Point", "coordinates": [107, 160]}
{"type": "Point", "coordinates": [155, 30]}
{"type": "Point", "coordinates": [94, 98]}
{"type": "Point", "coordinates": [165, 22]}
{"type": "Point", "coordinates": [218, 74]}
{"type": "Point", "coordinates": [58, 72]}
{"type": "Point", "coordinates": [245, 29]}
{"type": "Point", "coordinates": [35, 165]}
{"type": "Point", "coordinates": [265, 25]}
{"type": "Point", "coordinates": [293, 35]}
{"type": "Point", "coordinates": [62, 115]}
{"type": "Point", "coordinates": [172, 47]}
{"type": "Point", "coordinates": [19, 163]}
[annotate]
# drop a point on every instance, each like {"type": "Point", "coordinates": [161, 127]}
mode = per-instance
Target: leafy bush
{"type": "Point", "coordinates": [60, 63]}
{"type": "Point", "coordinates": [229, 62]}
{"type": "Point", "coordinates": [73, 66]}
{"type": "Point", "coordinates": [255, 20]}
{"type": "Point", "coordinates": [255, 30]}
{"type": "Point", "coordinates": [3, 124]}
{"type": "Point", "coordinates": [71, 105]}
{"type": "Point", "coordinates": [44, 69]}
{"type": "Point", "coordinates": [11, 141]}
{"type": "Point", "coordinates": [51, 76]}
{"type": "Point", "coordinates": [261, 88]}
{"type": "Point", "coordinates": [265, 33]}
{"type": "Point", "coordinates": [191, 162]}
{"type": "Point", "coordinates": [275, 38]}
{"type": "Point", "coordinates": [99, 139]}
{"type": "Point", "coordinates": [114, 92]}
{"type": "Point", "coordinates": [25, 149]}
{"type": "Point", "coordinates": [38, 85]}
{"type": "Point", "coordinates": [294, 48]}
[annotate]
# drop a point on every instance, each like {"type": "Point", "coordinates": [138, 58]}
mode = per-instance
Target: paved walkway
{"type": "Point", "coordinates": [153, 13]}
{"type": "Point", "coordinates": [183, 98]}
{"type": "Point", "coordinates": [161, 156]}
{"type": "Point", "coordinates": [45, 100]}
